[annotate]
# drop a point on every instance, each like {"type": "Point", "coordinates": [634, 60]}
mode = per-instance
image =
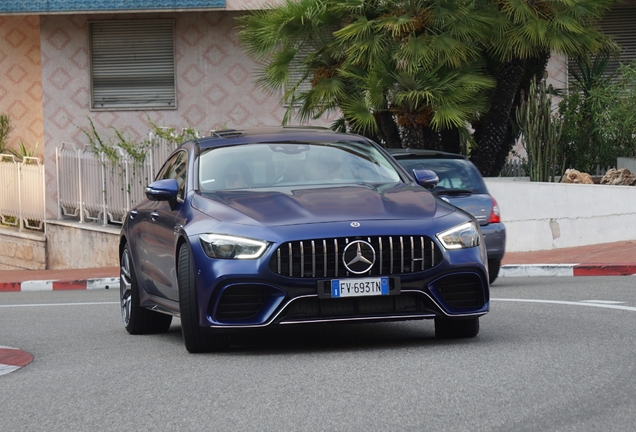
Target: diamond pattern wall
{"type": "Point", "coordinates": [20, 80]}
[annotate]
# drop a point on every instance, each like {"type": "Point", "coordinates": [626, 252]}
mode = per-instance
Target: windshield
{"type": "Point", "coordinates": [293, 164]}
{"type": "Point", "coordinates": [453, 173]}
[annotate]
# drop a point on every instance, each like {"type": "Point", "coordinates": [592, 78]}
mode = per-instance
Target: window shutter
{"type": "Point", "coordinates": [132, 65]}
{"type": "Point", "coordinates": [619, 24]}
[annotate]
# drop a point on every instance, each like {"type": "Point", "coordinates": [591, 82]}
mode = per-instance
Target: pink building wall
{"type": "Point", "coordinates": [20, 79]}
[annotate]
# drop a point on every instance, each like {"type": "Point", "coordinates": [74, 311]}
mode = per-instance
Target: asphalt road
{"type": "Point", "coordinates": [554, 354]}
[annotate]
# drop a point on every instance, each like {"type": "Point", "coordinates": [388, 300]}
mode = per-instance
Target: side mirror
{"type": "Point", "coordinates": [425, 178]}
{"type": "Point", "coordinates": [162, 190]}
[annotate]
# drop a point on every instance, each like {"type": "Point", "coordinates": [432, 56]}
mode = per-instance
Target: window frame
{"type": "Point", "coordinates": [94, 105]}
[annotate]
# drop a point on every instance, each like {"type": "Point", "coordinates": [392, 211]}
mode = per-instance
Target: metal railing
{"type": "Point", "coordinates": [92, 187]}
{"type": "Point", "coordinates": [22, 198]}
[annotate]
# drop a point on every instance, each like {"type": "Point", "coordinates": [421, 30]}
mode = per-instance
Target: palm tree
{"type": "Point", "coordinates": [525, 33]}
{"type": "Point", "coordinates": [387, 66]}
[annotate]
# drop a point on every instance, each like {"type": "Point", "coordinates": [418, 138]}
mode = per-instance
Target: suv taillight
{"type": "Point", "coordinates": [495, 217]}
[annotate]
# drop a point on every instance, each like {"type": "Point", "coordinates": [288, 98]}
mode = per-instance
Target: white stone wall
{"type": "Point", "coordinates": [543, 216]}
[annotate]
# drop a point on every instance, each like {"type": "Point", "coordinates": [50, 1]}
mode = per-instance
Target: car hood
{"type": "Point", "coordinates": [321, 204]}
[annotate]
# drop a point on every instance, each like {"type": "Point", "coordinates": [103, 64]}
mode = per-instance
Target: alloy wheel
{"type": "Point", "coordinates": [125, 287]}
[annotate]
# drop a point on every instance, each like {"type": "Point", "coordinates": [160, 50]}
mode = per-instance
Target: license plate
{"type": "Point", "coordinates": [359, 287]}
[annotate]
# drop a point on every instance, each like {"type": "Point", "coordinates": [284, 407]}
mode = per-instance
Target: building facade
{"type": "Point", "coordinates": [52, 85]}
{"type": "Point", "coordinates": [117, 63]}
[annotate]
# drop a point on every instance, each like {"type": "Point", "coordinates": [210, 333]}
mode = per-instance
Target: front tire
{"type": "Point", "coordinates": [195, 338]}
{"type": "Point", "coordinates": [493, 269]}
{"type": "Point", "coordinates": [137, 320]}
{"type": "Point", "coordinates": [456, 328]}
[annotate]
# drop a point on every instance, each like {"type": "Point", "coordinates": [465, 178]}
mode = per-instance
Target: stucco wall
{"type": "Point", "coordinates": [215, 83]}
{"type": "Point", "coordinates": [20, 79]}
{"type": "Point", "coordinates": [22, 251]}
{"type": "Point", "coordinates": [72, 245]}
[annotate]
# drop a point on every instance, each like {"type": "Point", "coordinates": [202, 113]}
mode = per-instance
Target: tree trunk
{"type": "Point", "coordinates": [421, 137]}
{"type": "Point", "coordinates": [389, 129]}
{"type": "Point", "coordinates": [493, 134]}
{"type": "Point", "coordinates": [450, 141]}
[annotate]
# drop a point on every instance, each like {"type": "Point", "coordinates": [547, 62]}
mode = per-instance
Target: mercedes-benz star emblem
{"type": "Point", "coordinates": [358, 257]}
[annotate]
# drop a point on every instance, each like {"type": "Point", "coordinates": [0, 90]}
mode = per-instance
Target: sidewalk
{"type": "Point", "coordinates": [608, 259]}
{"type": "Point", "coordinates": [53, 280]}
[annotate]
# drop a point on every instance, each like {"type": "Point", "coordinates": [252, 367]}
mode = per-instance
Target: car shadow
{"type": "Point", "coordinates": [330, 337]}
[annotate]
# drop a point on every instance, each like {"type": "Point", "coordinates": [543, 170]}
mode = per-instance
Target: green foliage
{"type": "Point", "coordinates": [5, 130]}
{"type": "Point", "coordinates": [431, 64]}
{"type": "Point", "coordinates": [418, 60]}
{"type": "Point", "coordinates": [24, 152]}
{"type": "Point", "coordinates": [137, 151]}
{"type": "Point", "coordinates": [599, 116]}
{"type": "Point", "coordinates": [541, 130]}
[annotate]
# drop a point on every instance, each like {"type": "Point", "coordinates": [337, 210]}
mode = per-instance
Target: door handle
{"type": "Point", "coordinates": [154, 216]}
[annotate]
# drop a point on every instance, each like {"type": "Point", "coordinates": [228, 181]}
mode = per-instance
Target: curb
{"type": "Point", "coordinates": [529, 270]}
{"type": "Point", "coordinates": [59, 285]}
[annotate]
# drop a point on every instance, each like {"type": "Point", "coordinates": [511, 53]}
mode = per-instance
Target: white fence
{"type": "Point", "coordinates": [22, 199]}
{"type": "Point", "coordinates": [92, 187]}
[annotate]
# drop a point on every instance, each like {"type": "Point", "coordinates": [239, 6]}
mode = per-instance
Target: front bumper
{"type": "Point", "coordinates": [243, 294]}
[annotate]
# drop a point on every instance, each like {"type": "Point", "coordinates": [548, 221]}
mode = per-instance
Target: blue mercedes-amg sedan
{"type": "Point", "coordinates": [290, 226]}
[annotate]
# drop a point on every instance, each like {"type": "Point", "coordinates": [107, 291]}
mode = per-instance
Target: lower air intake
{"type": "Point", "coordinates": [241, 302]}
{"type": "Point", "coordinates": [463, 291]}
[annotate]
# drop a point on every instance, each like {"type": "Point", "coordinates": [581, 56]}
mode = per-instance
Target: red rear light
{"type": "Point", "coordinates": [495, 216]}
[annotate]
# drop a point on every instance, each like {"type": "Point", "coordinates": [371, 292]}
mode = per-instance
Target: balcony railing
{"type": "Point", "coordinates": [22, 199]}
{"type": "Point", "coordinates": [93, 188]}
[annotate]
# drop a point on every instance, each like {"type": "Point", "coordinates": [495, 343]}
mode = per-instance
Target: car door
{"type": "Point", "coordinates": [157, 232]}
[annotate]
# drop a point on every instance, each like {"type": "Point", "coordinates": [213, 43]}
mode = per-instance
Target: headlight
{"type": "Point", "coordinates": [462, 236]}
{"type": "Point", "coordinates": [230, 247]}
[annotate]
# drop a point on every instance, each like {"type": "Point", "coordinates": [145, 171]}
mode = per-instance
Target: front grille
{"type": "Point", "coordinates": [463, 291]}
{"type": "Point", "coordinates": [323, 257]}
{"type": "Point", "coordinates": [241, 302]}
{"type": "Point", "coordinates": [315, 308]}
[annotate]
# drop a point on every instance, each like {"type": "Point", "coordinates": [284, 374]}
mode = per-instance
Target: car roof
{"type": "Point", "coordinates": [429, 154]}
{"type": "Point", "coordinates": [273, 134]}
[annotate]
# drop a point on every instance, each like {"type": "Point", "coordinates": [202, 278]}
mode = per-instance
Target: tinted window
{"type": "Point", "coordinates": [287, 164]}
{"type": "Point", "coordinates": [452, 173]}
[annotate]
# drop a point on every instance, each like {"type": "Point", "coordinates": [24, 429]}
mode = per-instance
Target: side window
{"type": "Point", "coordinates": [176, 168]}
